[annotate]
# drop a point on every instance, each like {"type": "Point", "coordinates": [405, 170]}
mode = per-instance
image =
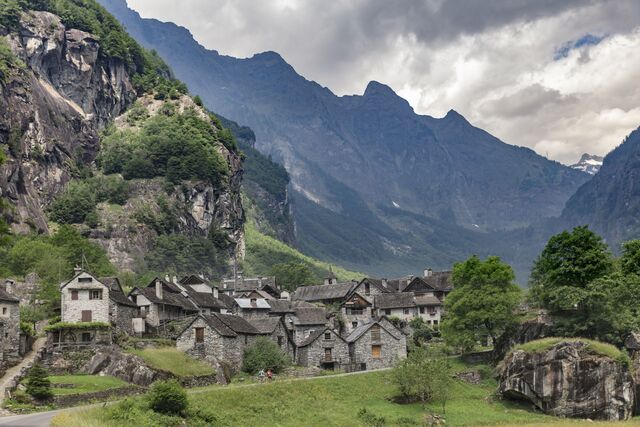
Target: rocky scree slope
{"type": "Point", "coordinates": [60, 94]}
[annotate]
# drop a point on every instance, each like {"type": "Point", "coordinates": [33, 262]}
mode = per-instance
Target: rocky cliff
{"type": "Point", "coordinates": [51, 110]}
{"type": "Point", "coordinates": [63, 90]}
{"type": "Point", "coordinates": [569, 379]}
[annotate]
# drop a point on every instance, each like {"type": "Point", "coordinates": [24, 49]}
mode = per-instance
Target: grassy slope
{"type": "Point", "coordinates": [171, 360]}
{"type": "Point", "coordinates": [597, 347]}
{"type": "Point", "coordinates": [85, 383]}
{"type": "Point", "coordinates": [264, 251]}
{"type": "Point", "coordinates": [335, 401]}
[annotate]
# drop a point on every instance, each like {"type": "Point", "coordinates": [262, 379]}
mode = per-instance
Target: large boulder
{"type": "Point", "coordinates": [540, 326]}
{"type": "Point", "coordinates": [569, 379]}
{"type": "Point", "coordinates": [126, 366]}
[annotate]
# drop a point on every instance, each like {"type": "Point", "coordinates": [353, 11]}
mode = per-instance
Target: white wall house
{"type": "Point", "coordinates": [84, 299]}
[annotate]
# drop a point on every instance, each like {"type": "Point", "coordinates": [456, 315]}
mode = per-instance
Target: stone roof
{"type": "Point", "coordinates": [281, 306]}
{"type": "Point", "coordinates": [440, 280]}
{"type": "Point", "coordinates": [169, 298]}
{"type": "Point", "coordinates": [427, 300]}
{"type": "Point", "coordinates": [360, 330]}
{"type": "Point", "coordinates": [230, 325]}
{"type": "Point", "coordinates": [256, 303]}
{"type": "Point", "coordinates": [115, 291]}
{"type": "Point", "coordinates": [204, 299]}
{"type": "Point", "coordinates": [249, 284]}
{"type": "Point", "coordinates": [265, 325]}
{"type": "Point", "coordinates": [324, 292]}
{"type": "Point", "coordinates": [394, 300]}
{"type": "Point", "coordinates": [194, 279]}
{"type": "Point", "coordinates": [6, 296]}
{"type": "Point", "coordinates": [310, 316]}
{"type": "Point", "coordinates": [113, 283]}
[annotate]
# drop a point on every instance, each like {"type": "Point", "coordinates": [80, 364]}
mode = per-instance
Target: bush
{"type": "Point", "coordinates": [264, 354]}
{"type": "Point", "coordinates": [168, 397]}
{"type": "Point", "coordinates": [38, 384]}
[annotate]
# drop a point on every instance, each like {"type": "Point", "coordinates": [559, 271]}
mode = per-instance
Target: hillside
{"type": "Point", "coordinates": [610, 202]}
{"type": "Point", "coordinates": [374, 184]}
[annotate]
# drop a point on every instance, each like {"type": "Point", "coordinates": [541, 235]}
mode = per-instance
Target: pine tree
{"type": "Point", "coordinates": [38, 384]}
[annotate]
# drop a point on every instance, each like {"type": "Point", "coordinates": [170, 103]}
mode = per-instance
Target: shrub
{"type": "Point", "coordinates": [264, 354]}
{"type": "Point", "coordinates": [38, 384]}
{"type": "Point", "coordinates": [168, 397]}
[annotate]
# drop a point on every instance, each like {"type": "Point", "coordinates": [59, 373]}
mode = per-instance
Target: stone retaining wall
{"type": "Point", "coordinates": [76, 399]}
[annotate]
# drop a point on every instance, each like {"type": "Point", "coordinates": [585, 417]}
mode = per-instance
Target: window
{"type": "Point", "coordinates": [86, 315]}
{"type": "Point", "coordinates": [280, 340]}
{"type": "Point", "coordinates": [375, 333]}
{"type": "Point", "coordinates": [246, 339]}
{"type": "Point", "coordinates": [6, 334]}
{"type": "Point", "coordinates": [4, 310]}
{"type": "Point", "coordinates": [354, 324]}
{"type": "Point", "coordinates": [199, 334]}
{"type": "Point", "coordinates": [367, 289]}
{"type": "Point", "coordinates": [406, 311]}
{"type": "Point", "coordinates": [387, 312]}
{"type": "Point", "coordinates": [421, 310]}
{"type": "Point", "coordinates": [376, 350]}
{"type": "Point", "coordinates": [74, 294]}
{"type": "Point", "coordinates": [86, 337]}
{"type": "Point", "coordinates": [433, 311]}
{"type": "Point", "coordinates": [85, 280]}
{"type": "Point", "coordinates": [328, 357]}
{"type": "Point", "coordinates": [327, 335]}
{"type": "Point", "coordinates": [95, 294]}
{"type": "Point", "coordinates": [355, 311]}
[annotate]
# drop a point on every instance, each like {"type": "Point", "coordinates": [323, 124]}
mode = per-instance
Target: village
{"type": "Point", "coordinates": [338, 326]}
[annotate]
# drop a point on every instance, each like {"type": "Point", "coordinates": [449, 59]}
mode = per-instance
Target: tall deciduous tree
{"type": "Point", "coordinates": [482, 303]}
{"type": "Point", "coordinates": [568, 263]}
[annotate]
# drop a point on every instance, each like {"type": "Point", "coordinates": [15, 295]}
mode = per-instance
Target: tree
{"type": "Point", "coordinates": [482, 303]}
{"type": "Point", "coordinates": [567, 264]}
{"type": "Point", "coordinates": [38, 384]}
{"type": "Point", "coordinates": [630, 259]}
{"type": "Point", "coordinates": [264, 354]}
{"type": "Point", "coordinates": [421, 331]}
{"type": "Point", "coordinates": [168, 397]}
{"type": "Point", "coordinates": [291, 275]}
{"type": "Point", "coordinates": [424, 375]}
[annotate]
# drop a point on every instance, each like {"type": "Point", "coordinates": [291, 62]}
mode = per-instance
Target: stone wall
{"type": "Point", "coordinates": [10, 332]}
{"type": "Point", "coordinates": [76, 399]}
{"type": "Point", "coordinates": [349, 319]}
{"type": "Point", "coordinates": [314, 353]}
{"type": "Point", "coordinates": [121, 316]}
{"type": "Point", "coordinates": [393, 347]}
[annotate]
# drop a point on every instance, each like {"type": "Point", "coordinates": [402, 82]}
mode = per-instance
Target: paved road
{"type": "Point", "coordinates": [43, 419]}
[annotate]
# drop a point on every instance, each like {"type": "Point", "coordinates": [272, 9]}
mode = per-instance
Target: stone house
{"type": "Point", "coordinates": [323, 348]}
{"type": "Point", "coordinates": [430, 309]}
{"type": "Point", "coordinates": [356, 310]}
{"type": "Point", "coordinates": [369, 288]}
{"type": "Point", "coordinates": [122, 310]}
{"type": "Point", "coordinates": [401, 305]}
{"type": "Point", "coordinates": [440, 281]}
{"type": "Point", "coordinates": [84, 299]}
{"type": "Point", "coordinates": [306, 320]}
{"type": "Point", "coordinates": [9, 325]}
{"type": "Point", "coordinates": [219, 339]}
{"type": "Point", "coordinates": [162, 301]}
{"type": "Point", "coordinates": [257, 294]}
{"type": "Point", "coordinates": [240, 285]}
{"type": "Point", "coordinates": [251, 308]}
{"type": "Point", "coordinates": [274, 328]}
{"type": "Point", "coordinates": [376, 344]}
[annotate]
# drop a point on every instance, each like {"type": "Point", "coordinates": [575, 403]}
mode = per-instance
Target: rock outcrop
{"type": "Point", "coordinates": [539, 327]}
{"type": "Point", "coordinates": [127, 367]}
{"type": "Point", "coordinates": [569, 380]}
{"type": "Point", "coordinates": [51, 112]}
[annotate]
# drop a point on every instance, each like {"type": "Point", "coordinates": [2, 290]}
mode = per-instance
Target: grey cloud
{"type": "Point", "coordinates": [526, 102]}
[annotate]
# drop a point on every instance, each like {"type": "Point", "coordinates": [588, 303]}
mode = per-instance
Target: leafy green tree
{"type": "Point", "coordinates": [482, 303]}
{"type": "Point", "coordinates": [567, 264]}
{"type": "Point", "coordinates": [38, 383]}
{"type": "Point", "coordinates": [292, 274]}
{"type": "Point", "coordinates": [73, 205]}
{"type": "Point", "coordinates": [264, 354]}
{"type": "Point", "coordinates": [421, 331]}
{"type": "Point", "coordinates": [168, 397]}
{"type": "Point", "coordinates": [182, 254]}
{"type": "Point", "coordinates": [630, 259]}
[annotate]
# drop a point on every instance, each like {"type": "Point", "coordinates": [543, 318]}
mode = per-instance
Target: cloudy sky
{"type": "Point", "coordinates": [560, 77]}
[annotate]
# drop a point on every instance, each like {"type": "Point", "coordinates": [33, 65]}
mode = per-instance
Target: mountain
{"type": "Point", "coordinates": [374, 186]}
{"type": "Point", "coordinates": [610, 202]}
{"type": "Point", "coordinates": [589, 163]}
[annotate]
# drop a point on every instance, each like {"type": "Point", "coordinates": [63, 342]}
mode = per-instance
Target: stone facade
{"type": "Point", "coordinates": [215, 348]}
{"type": "Point", "coordinates": [121, 316]}
{"type": "Point", "coordinates": [381, 345]}
{"type": "Point", "coordinates": [84, 299]}
{"type": "Point", "coordinates": [354, 312]}
{"type": "Point", "coordinates": [324, 349]}
{"type": "Point", "coordinates": [10, 331]}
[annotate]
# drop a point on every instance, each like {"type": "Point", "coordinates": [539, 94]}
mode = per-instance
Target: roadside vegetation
{"type": "Point", "coordinates": [81, 384]}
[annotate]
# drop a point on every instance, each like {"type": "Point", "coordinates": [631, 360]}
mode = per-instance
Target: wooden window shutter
{"type": "Point", "coordinates": [74, 294]}
{"type": "Point", "coordinates": [376, 350]}
{"type": "Point", "coordinates": [199, 334]}
{"type": "Point", "coordinates": [86, 315]}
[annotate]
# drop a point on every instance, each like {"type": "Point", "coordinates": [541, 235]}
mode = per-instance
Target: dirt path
{"type": "Point", "coordinates": [13, 371]}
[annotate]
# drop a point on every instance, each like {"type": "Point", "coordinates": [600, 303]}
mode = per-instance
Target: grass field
{"type": "Point", "coordinates": [172, 360]}
{"type": "Point", "coordinates": [596, 347]}
{"type": "Point", "coordinates": [326, 401]}
{"type": "Point", "coordinates": [84, 383]}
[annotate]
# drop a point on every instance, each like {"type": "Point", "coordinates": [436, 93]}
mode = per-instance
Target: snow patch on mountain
{"type": "Point", "coordinates": [589, 163]}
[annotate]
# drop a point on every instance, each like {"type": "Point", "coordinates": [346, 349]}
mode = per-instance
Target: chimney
{"type": "Point", "coordinates": [8, 285]}
{"type": "Point", "coordinates": [159, 288]}
{"type": "Point", "coordinates": [384, 283]}
{"type": "Point", "coordinates": [167, 278]}
{"type": "Point", "coordinates": [428, 272]}
{"type": "Point", "coordinates": [215, 292]}
{"type": "Point", "coordinates": [175, 279]}
{"type": "Point", "coordinates": [77, 270]}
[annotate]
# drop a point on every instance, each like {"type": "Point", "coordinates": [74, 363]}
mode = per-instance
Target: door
{"type": "Point", "coordinates": [327, 355]}
{"type": "Point", "coordinates": [86, 315]}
